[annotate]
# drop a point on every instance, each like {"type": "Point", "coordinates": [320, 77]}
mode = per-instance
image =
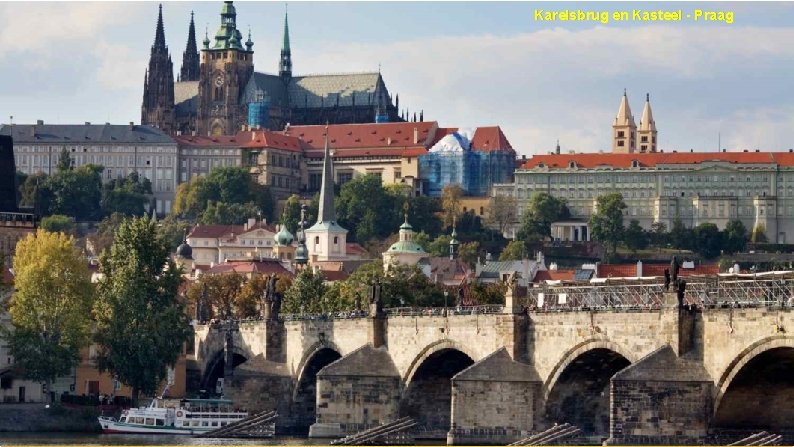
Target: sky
{"type": "Point", "coordinates": [465, 64]}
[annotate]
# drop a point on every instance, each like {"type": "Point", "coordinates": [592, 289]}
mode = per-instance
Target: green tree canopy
{"type": "Point", "coordinates": [515, 251]}
{"type": "Point", "coordinates": [127, 196]}
{"type": "Point", "coordinates": [291, 215]}
{"type": "Point", "coordinates": [606, 224]}
{"type": "Point", "coordinates": [635, 237]}
{"type": "Point", "coordinates": [708, 240]}
{"type": "Point", "coordinates": [51, 309]}
{"type": "Point", "coordinates": [58, 223]}
{"type": "Point", "coordinates": [451, 198]}
{"type": "Point", "coordinates": [141, 324]}
{"type": "Point", "coordinates": [367, 209]}
{"type": "Point", "coordinates": [681, 236]}
{"type": "Point", "coordinates": [304, 296]}
{"type": "Point", "coordinates": [226, 185]}
{"type": "Point", "coordinates": [542, 210]}
{"type": "Point", "coordinates": [735, 236]}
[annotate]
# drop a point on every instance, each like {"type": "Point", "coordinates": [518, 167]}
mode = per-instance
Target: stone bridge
{"type": "Point", "coordinates": [661, 374]}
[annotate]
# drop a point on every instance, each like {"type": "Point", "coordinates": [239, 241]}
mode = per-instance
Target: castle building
{"type": "Point", "coordinates": [120, 149]}
{"type": "Point", "coordinates": [225, 92]}
{"type": "Point", "coordinates": [756, 188]}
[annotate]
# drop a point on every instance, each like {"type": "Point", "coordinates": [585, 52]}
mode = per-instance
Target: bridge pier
{"type": "Point", "coordinates": [495, 401]}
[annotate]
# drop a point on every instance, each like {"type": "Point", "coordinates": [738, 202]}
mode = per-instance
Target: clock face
{"type": "Point", "coordinates": [219, 79]}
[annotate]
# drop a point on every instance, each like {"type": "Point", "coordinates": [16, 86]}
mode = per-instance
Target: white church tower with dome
{"type": "Point", "coordinates": [405, 251]}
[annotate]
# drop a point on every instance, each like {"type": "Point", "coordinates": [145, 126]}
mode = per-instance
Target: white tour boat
{"type": "Point", "coordinates": [191, 417]}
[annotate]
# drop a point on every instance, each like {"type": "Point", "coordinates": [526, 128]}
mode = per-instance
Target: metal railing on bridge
{"type": "Point", "coordinates": [747, 290]}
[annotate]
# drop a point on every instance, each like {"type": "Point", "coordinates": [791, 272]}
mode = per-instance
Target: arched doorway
{"type": "Point", "coordinates": [215, 371]}
{"type": "Point", "coordinates": [428, 396]}
{"type": "Point", "coordinates": [761, 395]}
{"type": "Point", "coordinates": [580, 396]}
{"type": "Point", "coordinates": [305, 399]}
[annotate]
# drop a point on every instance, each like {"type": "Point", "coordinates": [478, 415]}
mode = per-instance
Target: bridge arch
{"type": "Point", "coordinates": [304, 394]}
{"type": "Point", "coordinates": [577, 390]}
{"type": "Point", "coordinates": [215, 366]}
{"type": "Point", "coordinates": [572, 354]}
{"type": "Point", "coordinates": [430, 350]}
{"type": "Point", "coordinates": [427, 395]}
{"type": "Point", "coordinates": [770, 358]}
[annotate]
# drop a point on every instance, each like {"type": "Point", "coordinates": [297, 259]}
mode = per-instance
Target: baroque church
{"type": "Point", "coordinates": [217, 91]}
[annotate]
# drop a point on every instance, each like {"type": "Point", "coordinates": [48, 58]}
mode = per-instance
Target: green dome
{"type": "Point", "coordinates": [301, 253]}
{"type": "Point", "coordinates": [406, 226]}
{"type": "Point", "coordinates": [406, 247]}
{"type": "Point", "coordinates": [284, 237]}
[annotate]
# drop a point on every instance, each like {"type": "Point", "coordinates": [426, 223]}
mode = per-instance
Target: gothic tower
{"type": "Point", "coordinates": [624, 129]}
{"type": "Point", "coordinates": [285, 62]}
{"type": "Point", "coordinates": [158, 84]}
{"type": "Point", "coordinates": [225, 70]}
{"type": "Point", "coordinates": [647, 131]}
{"type": "Point", "coordinates": [190, 58]}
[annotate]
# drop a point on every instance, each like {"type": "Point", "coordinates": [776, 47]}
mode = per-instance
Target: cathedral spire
{"type": "Point", "coordinates": [285, 62]}
{"type": "Point", "coordinates": [157, 108]}
{"type": "Point", "coordinates": [190, 58]}
{"type": "Point", "coordinates": [327, 212]}
{"type": "Point", "coordinates": [647, 131]}
{"type": "Point", "coordinates": [159, 35]}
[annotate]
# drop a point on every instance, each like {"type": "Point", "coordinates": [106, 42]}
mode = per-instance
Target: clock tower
{"type": "Point", "coordinates": [226, 67]}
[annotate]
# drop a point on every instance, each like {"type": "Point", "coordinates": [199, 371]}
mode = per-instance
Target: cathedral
{"type": "Point", "coordinates": [217, 91]}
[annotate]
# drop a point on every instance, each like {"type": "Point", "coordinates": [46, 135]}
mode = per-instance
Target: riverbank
{"type": "Point", "coordinates": [36, 417]}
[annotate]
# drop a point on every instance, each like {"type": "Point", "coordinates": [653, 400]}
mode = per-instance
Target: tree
{"type": "Point", "coordinates": [440, 246]}
{"type": "Point", "coordinates": [515, 251]}
{"type": "Point", "coordinates": [635, 237]}
{"type": "Point", "coordinates": [76, 192]}
{"type": "Point", "coordinates": [173, 230]}
{"type": "Point", "coordinates": [451, 197]}
{"type": "Point", "coordinates": [223, 295]}
{"type": "Point", "coordinates": [735, 236]}
{"type": "Point", "coordinates": [141, 324]}
{"type": "Point", "coordinates": [127, 196]}
{"type": "Point", "coordinates": [469, 252]}
{"type": "Point", "coordinates": [304, 295]}
{"type": "Point", "coordinates": [367, 209]}
{"type": "Point", "coordinates": [29, 190]}
{"type": "Point", "coordinates": [58, 223]}
{"type": "Point", "coordinates": [102, 239]}
{"type": "Point", "coordinates": [224, 213]}
{"type": "Point", "coordinates": [483, 294]}
{"type": "Point", "coordinates": [606, 224]}
{"type": "Point", "coordinates": [708, 240]}
{"type": "Point", "coordinates": [680, 236]}
{"type": "Point", "coordinates": [20, 181]}
{"type": "Point", "coordinates": [228, 185]}
{"type": "Point", "coordinates": [291, 215]}
{"type": "Point", "coordinates": [64, 161]}
{"type": "Point", "coordinates": [543, 209]}
{"type": "Point", "coordinates": [658, 234]}
{"type": "Point", "coordinates": [51, 309]}
{"type": "Point", "coordinates": [423, 213]}
{"type": "Point", "coordinates": [502, 212]}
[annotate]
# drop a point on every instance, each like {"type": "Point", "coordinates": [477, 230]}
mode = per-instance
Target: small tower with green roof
{"type": "Point", "coordinates": [405, 251]}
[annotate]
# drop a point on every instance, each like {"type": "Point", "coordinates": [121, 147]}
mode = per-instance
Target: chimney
{"type": "Point", "coordinates": [193, 133]}
{"type": "Point", "coordinates": [88, 123]}
{"type": "Point", "coordinates": [132, 125]}
{"type": "Point", "coordinates": [416, 135]}
{"type": "Point", "coordinates": [251, 223]}
{"type": "Point", "coordinates": [39, 122]}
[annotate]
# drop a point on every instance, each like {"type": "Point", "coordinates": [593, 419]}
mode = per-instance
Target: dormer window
{"type": "Point", "coordinates": [572, 164]}
{"type": "Point", "coordinates": [635, 164]}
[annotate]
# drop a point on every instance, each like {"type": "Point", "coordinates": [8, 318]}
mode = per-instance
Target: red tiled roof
{"type": "Point", "coordinates": [356, 249]}
{"type": "Point", "coordinates": [219, 231]}
{"type": "Point", "coordinates": [334, 275]}
{"type": "Point", "coordinates": [265, 266]}
{"type": "Point", "coordinates": [207, 141]}
{"type": "Point", "coordinates": [358, 136]}
{"type": "Point", "coordinates": [212, 231]}
{"type": "Point", "coordinates": [490, 139]}
{"type": "Point", "coordinates": [554, 275]}
{"type": "Point", "coordinates": [630, 270]}
{"type": "Point", "coordinates": [277, 140]}
{"type": "Point", "coordinates": [650, 160]}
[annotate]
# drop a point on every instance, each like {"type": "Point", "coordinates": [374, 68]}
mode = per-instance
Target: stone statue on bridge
{"type": "Point", "coordinates": [666, 279]}
{"type": "Point", "coordinates": [375, 302]}
{"type": "Point", "coordinates": [674, 267]}
{"type": "Point", "coordinates": [271, 299]}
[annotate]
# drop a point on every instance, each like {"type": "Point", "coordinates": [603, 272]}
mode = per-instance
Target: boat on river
{"type": "Point", "coordinates": [189, 417]}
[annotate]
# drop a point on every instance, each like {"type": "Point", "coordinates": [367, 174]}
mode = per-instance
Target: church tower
{"type": "Point", "coordinates": [158, 84]}
{"type": "Point", "coordinates": [327, 241]}
{"type": "Point", "coordinates": [285, 61]}
{"type": "Point", "coordinates": [624, 130]}
{"type": "Point", "coordinates": [225, 70]}
{"type": "Point", "coordinates": [647, 131]}
{"type": "Point", "coordinates": [190, 58]}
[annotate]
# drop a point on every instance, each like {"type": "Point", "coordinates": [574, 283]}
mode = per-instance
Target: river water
{"type": "Point", "coordinates": [7, 439]}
